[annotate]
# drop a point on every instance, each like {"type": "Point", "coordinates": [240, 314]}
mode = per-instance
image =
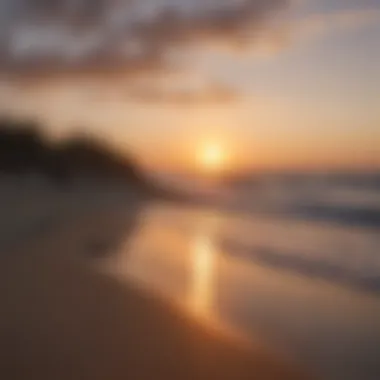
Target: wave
{"type": "Point", "coordinates": [304, 264]}
{"type": "Point", "coordinates": [363, 217]}
{"type": "Point", "coordinates": [341, 200]}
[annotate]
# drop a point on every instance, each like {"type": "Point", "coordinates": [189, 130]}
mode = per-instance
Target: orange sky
{"type": "Point", "coordinates": [301, 93]}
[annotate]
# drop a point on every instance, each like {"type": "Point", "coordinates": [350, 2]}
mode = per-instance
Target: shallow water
{"type": "Point", "coordinates": [309, 288]}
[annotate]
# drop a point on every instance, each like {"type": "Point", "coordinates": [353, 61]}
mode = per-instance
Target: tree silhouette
{"type": "Point", "coordinates": [24, 149]}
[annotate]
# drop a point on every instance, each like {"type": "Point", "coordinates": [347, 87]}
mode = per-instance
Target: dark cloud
{"type": "Point", "coordinates": [52, 40]}
{"type": "Point", "coordinates": [169, 27]}
{"type": "Point", "coordinates": [229, 23]}
{"type": "Point", "coordinates": [74, 12]}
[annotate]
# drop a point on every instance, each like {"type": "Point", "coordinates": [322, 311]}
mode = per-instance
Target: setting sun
{"type": "Point", "coordinates": [212, 157]}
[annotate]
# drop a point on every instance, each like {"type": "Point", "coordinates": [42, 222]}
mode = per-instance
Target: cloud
{"type": "Point", "coordinates": [319, 25]}
{"type": "Point", "coordinates": [210, 94]}
{"type": "Point", "coordinates": [48, 38]}
{"type": "Point", "coordinates": [73, 12]}
{"type": "Point", "coordinates": [47, 42]}
{"type": "Point", "coordinates": [290, 32]}
{"type": "Point", "coordinates": [178, 89]}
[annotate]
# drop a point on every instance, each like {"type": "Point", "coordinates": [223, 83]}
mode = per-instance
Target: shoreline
{"type": "Point", "coordinates": [64, 320]}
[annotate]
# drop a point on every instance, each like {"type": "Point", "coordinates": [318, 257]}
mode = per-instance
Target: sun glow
{"type": "Point", "coordinates": [212, 157]}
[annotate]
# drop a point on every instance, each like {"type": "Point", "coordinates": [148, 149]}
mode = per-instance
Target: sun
{"type": "Point", "coordinates": [212, 157]}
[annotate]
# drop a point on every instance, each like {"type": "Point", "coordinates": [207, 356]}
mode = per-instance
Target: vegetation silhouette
{"type": "Point", "coordinates": [24, 149]}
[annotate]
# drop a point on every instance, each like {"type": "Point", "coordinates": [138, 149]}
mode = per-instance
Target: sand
{"type": "Point", "coordinates": [62, 319]}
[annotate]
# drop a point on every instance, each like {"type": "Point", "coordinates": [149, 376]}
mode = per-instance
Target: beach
{"type": "Point", "coordinates": [308, 289]}
{"type": "Point", "coordinates": [62, 318]}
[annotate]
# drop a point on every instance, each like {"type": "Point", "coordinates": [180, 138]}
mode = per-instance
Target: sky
{"type": "Point", "coordinates": [274, 84]}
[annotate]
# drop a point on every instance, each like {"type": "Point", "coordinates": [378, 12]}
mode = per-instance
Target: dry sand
{"type": "Point", "coordinates": [61, 319]}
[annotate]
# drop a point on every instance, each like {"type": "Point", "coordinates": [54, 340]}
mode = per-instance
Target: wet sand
{"type": "Point", "coordinates": [62, 319]}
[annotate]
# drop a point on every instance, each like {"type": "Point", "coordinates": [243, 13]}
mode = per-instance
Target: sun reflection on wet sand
{"type": "Point", "coordinates": [202, 281]}
{"type": "Point", "coordinates": [203, 255]}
